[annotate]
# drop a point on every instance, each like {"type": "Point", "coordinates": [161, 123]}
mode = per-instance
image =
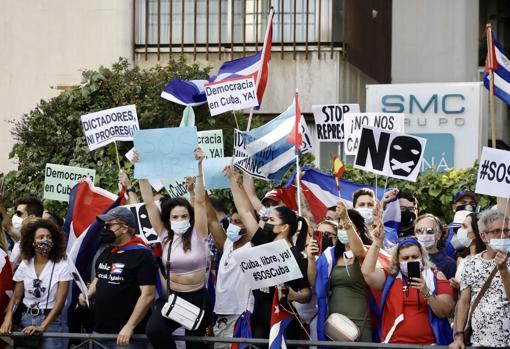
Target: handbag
{"type": "Point", "coordinates": [468, 331]}
{"type": "Point", "coordinates": [34, 341]}
{"type": "Point", "coordinates": [177, 308]}
{"type": "Point", "coordinates": [340, 328]}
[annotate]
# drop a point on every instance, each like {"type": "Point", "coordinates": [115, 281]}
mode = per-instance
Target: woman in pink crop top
{"type": "Point", "coordinates": [182, 229]}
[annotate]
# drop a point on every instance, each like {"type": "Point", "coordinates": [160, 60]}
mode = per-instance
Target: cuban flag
{"type": "Point", "coordinates": [280, 320]}
{"type": "Point", "coordinates": [242, 329]}
{"type": "Point", "coordinates": [268, 145]}
{"type": "Point", "coordinates": [500, 68]}
{"type": "Point", "coordinates": [192, 92]}
{"type": "Point", "coordinates": [320, 190]}
{"type": "Point", "coordinates": [6, 283]}
{"type": "Point", "coordinates": [391, 221]}
{"type": "Point", "coordinates": [117, 268]}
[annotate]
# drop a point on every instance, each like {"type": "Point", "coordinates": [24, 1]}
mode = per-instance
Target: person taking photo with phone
{"type": "Point", "coordinates": [413, 292]}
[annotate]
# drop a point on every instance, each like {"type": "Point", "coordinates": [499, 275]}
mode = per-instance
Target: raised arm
{"type": "Point", "coordinates": [355, 242]}
{"type": "Point", "coordinates": [216, 229]}
{"type": "Point", "coordinates": [249, 187]}
{"type": "Point", "coordinates": [150, 205]}
{"type": "Point", "coordinates": [199, 207]}
{"type": "Point", "coordinates": [128, 187]}
{"type": "Point", "coordinates": [373, 276]}
{"type": "Point", "coordinates": [242, 202]}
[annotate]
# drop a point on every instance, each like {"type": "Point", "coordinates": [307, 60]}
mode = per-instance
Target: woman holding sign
{"type": "Point", "coordinates": [183, 232]}
{"type": "Point", "coordinates": [416, 298]}
{"type": "Point", "coordinates": [282, 224]}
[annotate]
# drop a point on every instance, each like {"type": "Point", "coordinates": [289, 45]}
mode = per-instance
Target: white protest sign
{"type": "Point", "coordinates": [176, 188]}
{"type": "Point", "coordinates": [267, 265]}
{"type": "Point", "coordinates": [106, 126]}
{"type": "Point", "coordinates": [390, 153]}
{"type": "Point", "coordinates": [242, 160]}
{"type": "Point", "coordinates": [211, 142]}
{"type": "Point", "coordinates": [353, 123]}
{"type": "Point", "coordinates": [329, 120]}
{"type": "Point", "coordinates": [143, 224]}
{"type": "Point", "coordinates": [494, 173]}
{"type": "Point", "coordinates": [60, 179]}
{"type": "Point", "coordinates": [231, 94]}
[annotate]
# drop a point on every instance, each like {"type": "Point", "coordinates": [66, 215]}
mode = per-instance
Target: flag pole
{"type": "Point", "coordinates": [117, 153]}
{"type": "Point", "coordinates": [298, 184]}
{"type": "Point", "coordinates": [297, 148]}
{"type": "Point", "coordinates": [259, 72]}
{"type": "Point", "coordinates": [492, 111]}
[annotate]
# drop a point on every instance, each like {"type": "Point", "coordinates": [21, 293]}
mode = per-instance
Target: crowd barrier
{"type": "Point", "coordinates": [89, 340]}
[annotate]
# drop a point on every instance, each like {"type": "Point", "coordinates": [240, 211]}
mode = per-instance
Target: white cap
{"type": "Point", "coordinates": [459, 218]}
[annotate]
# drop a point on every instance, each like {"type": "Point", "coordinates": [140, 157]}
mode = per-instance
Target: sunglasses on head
{"type": "Point", "coordinates": [425, 230]}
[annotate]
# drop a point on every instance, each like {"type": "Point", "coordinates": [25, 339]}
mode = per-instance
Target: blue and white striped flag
{"type": "Point", "coordinates": [268, 145]}
{"type": "Point", "coordinates": [501, 69]}
{"type": "Point", "coordinates": [192, 92]}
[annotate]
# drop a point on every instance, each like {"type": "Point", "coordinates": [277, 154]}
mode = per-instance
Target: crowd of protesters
{"type": "Point", "coordinates": [430, 283]}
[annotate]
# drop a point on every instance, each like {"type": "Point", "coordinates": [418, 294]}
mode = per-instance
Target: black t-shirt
{"type": "Point", "coordinates": [117, 291]}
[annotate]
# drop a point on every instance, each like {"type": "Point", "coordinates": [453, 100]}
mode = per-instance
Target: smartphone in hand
{"type": "Point", "coordinates": [413, 269]}
{"type": "Point", "coordinates": [317, 236]}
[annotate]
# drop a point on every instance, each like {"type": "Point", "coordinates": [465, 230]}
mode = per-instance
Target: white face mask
{"type": "Point", "coordinates": [502, 245]}
{"type": "Point", "coordinates": [180, 227]}
{"type": "Point", "coordinates": [462, 237]}
{"type": "Point", "coordinates": [17, 222]}
{"type": "Point", "coordinates": [233, 232]}
{"type": "Point", "coordinates": [367, 213]}
{"type": "Point", "coordinates": [403, 266]}
{"type": "Point", "coordinates": [342, 236]}
{"type": "Point", "coordinates": [427, 240]}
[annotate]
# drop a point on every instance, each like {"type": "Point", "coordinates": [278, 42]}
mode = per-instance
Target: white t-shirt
{"type": "Point", "coordinates": [36, 288]}
{"type": "Point", "coordinates": [15, 253]}
{"type": "Point", "coordinates": [233, 296]}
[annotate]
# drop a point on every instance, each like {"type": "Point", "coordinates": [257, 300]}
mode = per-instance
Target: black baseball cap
{"type": "Point", "coordinates": [122, 213]}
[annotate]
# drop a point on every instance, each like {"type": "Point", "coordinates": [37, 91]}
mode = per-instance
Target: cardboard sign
{"type": "Point", "coordinates": [60, 179]}
{"type": "Point", "coordinates": [176, 188]}
{"type": "Point", "coordinates": [494, 173]}
{"type": "Point", "coordinates": [231, 94]}
{"type": "Point", "coordinates": [211, 143]}
{"type": "Point", "coordinates": [242, 160]}
{"type": "Point", "coordinates": [143, 224]}
{"type": "Point", "coordinates": [390, 153]}
{"type": "Point", "coordinates": [214, 178]}
{"type": "Point", "coordinates": [355, 122]}
{"type": "Point", "coordinates": [268, 264]}
{"type": "Point", "coordinates": [106, 126]}
{"type": "Point", "coordinates": [166, 152]}
{"type": "Point", "coordinates": [329, 120]}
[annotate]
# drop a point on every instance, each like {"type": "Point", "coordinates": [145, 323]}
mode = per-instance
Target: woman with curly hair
{"type": "Point", "coordinates": [42, 281]}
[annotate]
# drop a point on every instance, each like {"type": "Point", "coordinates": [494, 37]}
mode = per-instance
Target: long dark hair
{"type": "Point", "coordinates": [359, 224]}
{"type": "Point", "coordinates": [28, 230]}
{"type": "Point", "coordinates": [292, 219]}
{"type": "Point", "coordinates": [480, 245]}
{"type": "Point", "coordinates": [167, 205]}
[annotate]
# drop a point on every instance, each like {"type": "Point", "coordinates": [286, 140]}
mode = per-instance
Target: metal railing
{"type": "Point", "coordinates": [233, 26]}
{"type": "Point", "coordinates": [91, 339]}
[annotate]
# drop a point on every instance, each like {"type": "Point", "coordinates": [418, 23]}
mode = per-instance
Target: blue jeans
{"type": "Point", "coordinates": [58, 325]}
{"type": "Point", "coordinates": [133, 344]}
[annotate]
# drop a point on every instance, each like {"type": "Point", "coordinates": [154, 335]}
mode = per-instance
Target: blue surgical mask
{"type": "Point", "coordinates": [427, 240]}
{"type": "Point", "coordinates": [180, 227]}
{"type": "Point", "coordinates": [367, 213]}
{"type": "Point", "coordinates": [233, 232]}
{"type": "Point", "coordinates": [342, 236]}
{"type": "Point", "coordinates": [462, 237]}
{"type": "Point", "coordinates": [502, 245]}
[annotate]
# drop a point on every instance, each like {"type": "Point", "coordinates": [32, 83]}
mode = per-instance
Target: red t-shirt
{"type": "Point", "coordinates": [415, 328]}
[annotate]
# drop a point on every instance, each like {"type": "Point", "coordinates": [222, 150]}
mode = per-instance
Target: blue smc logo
{"type": "Point", "coordinates": [447, 104]}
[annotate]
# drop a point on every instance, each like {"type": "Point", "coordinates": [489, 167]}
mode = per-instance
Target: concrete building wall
{"type": "Point", "coordinates": [46, 43]}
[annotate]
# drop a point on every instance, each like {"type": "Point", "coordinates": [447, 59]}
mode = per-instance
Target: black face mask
{"type": "Point", "coordinates": [268, 228]}
{"type": "Point", "coordinates": [407, 218]}
{"type": "Point", "coordinates": [108, 236]}
{"type": "Point", "coordinates": [406, 232]}
{"type": "Point", "coordinates": [327, 241]}
{"type": "Point", "coordinates": [467, 207]}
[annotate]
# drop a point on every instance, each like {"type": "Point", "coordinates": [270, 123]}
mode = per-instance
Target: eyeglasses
{"type": "Point", "coordinates": [425, 230]}
{"type": "Point", "coordinates": [407, 208]}
{"type": "Point", "coordinates": [498, 231]}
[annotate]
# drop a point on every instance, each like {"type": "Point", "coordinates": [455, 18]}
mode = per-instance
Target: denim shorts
{"type": "Point", "coordinates": [58, 325]}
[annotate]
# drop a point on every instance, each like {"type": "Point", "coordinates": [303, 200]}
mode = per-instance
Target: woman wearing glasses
{"type": "Point", "coordinates": [42, 281]}
{"type": "Point", "coordinates": [339, 284]}
{"type": "Point", "coordinates": [416, 299]}
{"type": "Point", "coordinates": [428, 230]}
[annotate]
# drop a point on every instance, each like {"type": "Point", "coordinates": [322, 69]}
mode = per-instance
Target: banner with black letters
{"type": "Point", "coordinates": [494, 173]}
{"type": "Point", "coordinates": [329, 120]}
{"type": "Point", "coordinates": [389, 153]}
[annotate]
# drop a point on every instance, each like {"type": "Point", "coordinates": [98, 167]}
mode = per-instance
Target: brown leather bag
{"type": "Point", "coordinates": [468, 331]}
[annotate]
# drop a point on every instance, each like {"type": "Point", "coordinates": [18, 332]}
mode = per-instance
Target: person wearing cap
{"type": "Point", "coordinates": [124, 286]}
{"type": "Point", "coordinates": [464, 200]}
{"type": "Point", "coordinates": [414, 310]}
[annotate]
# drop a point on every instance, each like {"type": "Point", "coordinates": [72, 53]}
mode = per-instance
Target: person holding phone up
{"type": "Point", "coordinates": [416, 298]}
